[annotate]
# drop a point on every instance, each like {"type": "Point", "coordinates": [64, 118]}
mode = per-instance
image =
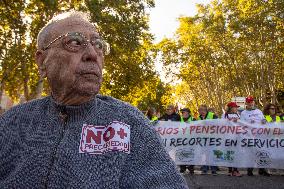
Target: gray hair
{"type": "Point", "coordinates": [44, 35]}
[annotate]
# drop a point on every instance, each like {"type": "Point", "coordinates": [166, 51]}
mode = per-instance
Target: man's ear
{"type": "Point", "coordinates": [40, 57]}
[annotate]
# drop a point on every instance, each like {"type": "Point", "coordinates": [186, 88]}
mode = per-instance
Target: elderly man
{"type": "Point", "coordinates": [76, 138]}
{"type": "Point", "coordinates": [170, 114]}
{"type": "Point", "coordinates": [253, 115]}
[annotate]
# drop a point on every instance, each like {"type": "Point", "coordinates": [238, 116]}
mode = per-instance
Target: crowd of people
{"type": "Point", "coordinates": [251, 114]}
{"type": "Point", "coordinates": [58, 141]}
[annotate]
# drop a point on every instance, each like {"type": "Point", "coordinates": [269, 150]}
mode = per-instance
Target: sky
{"type": "Point", "coordinates": [163, 18]}
{"type": "Point", "coordinates": [164, 22]}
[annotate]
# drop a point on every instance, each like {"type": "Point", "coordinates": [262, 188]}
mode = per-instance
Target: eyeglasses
{"type": "Point", "coordinates": [76, 41]}
{"type": "Point", "coordinates": [271, 108]}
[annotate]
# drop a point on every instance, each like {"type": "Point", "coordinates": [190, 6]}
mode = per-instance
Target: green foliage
{"type": "Point", "coordinates": [229, 48]}
{"type": "Point", "coordinates": [153, 93]}
{"type": "Point", "coordinates": [128, 69]}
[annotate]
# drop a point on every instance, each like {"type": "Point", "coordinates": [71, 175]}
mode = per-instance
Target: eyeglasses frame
{"type": "Point", "coordinates": [85, 44]}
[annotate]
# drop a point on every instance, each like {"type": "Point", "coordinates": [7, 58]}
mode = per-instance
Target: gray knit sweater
{"type": "Point", "coordinates": [46, 145]}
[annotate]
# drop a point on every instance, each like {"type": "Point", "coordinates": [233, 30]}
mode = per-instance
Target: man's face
{"type": "Point", "coordinates": [70, 72]}
{"type": "Point", "coordinates": [272, 110]}
{"type": "Point", "coordinates": [234, 109]}
{"type": "Point", "coordinates": [250, 105]}
{"type": "Point", "coordinates": [185, 114]}
{"type": "Point", "coordinates": [170, 110]}
{"type": "Point", "coordinates": [202, 111]}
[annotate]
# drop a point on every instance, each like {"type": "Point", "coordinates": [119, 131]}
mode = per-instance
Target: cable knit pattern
{"type": "Point", "coordinates": [39, 150]}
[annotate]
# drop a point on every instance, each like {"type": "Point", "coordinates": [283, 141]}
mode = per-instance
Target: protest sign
{"type": "Point", "coordinates": [222, 142]}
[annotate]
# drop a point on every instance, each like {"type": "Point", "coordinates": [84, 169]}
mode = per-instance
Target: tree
{"type": "Point", "coordinates": [229, 48]}
{"type": "Point", "coordinates": [124, 24]}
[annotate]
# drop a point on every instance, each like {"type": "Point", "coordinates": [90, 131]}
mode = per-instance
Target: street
{"type": "Point", "coordinates": [223, 181]}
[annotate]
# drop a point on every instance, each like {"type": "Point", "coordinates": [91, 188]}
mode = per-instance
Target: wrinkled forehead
{"type": "Point", "coordinates": [74, 25]}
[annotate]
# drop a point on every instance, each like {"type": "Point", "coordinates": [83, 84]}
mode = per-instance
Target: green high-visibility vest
{"type": "Point", "coordinates": [155, 118]}
{"type": "Point", "coordinates": [210, 115]}
{"type": "Point", "coordinates": [269, 118]}
{"type": "Point", "coordinates": [190, 119]}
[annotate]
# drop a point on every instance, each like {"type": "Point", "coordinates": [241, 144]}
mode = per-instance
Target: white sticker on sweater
{"type": "Point", "coordinates": [101, 139]}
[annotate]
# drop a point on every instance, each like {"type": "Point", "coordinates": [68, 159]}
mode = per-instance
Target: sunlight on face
{"type": "Point", "coordinates": [272, 110]}
{"type": "Point", "coordinates": [170, 110]}
{"type": "Point", "coordinates": [202, 111]}
{"type": "Point", "coordinates": [185, 114]}
{"type": "Point", "coordinates": [250, 105]}
{"type": "Point", "coordinates": [234, 109]}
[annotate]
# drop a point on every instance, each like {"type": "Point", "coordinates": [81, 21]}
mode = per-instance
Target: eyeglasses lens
{"type": "Point", "coordinates": [75, 41]}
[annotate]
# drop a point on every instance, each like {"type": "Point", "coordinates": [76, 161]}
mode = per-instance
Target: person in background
{"type": "Point", "coordinates": [210, 109]}
{"type": "Point", "coordinates": [152, 114]}
{"type": "Point", "coordinates": [232, 115]}
{"type": "Point", "coordinates": [281, 114]}
{"type": "Point", "coordinates": [282, 117]}
{"type": "Point", "coordinates": [253, 115]}
{"type": "Point", "coordinates": [271, 116]}
{"type": "Point", "coordinates": [171, 114]}
{"type": "Point", "coordinates": [270, 113]}
{"type": "Point", "coordinates": [186, 117]}
{"type": "Point", "coordinates": [205, 114]}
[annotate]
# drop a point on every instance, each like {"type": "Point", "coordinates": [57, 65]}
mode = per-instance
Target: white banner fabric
{"type": "Point", "coordinates": [222, 142]}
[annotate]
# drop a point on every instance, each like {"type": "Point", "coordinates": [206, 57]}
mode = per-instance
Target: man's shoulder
{"type": "Point", "coordinates": [257, 110]}
{"type": "Point", "coordinates": [123, 110]}
{"type": "Point", "coordinates": [244, 112]}
{"type": "Point", "coordinates": [26, 108]}
{"type": "Point", "coordinates": [113, 102]}
{"type": "Point", "coordinates": [118, 105]}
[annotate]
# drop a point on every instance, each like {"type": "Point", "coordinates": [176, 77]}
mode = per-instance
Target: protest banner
{"type": "Point", "coordinates": [222, 142]}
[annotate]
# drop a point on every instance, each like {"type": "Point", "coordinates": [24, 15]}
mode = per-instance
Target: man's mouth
{"type": "Point", "coordinates": [89, 75]}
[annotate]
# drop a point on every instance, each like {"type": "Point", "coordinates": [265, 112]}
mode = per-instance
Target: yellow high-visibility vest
{"type": "Point", "coordinates": [190, 119]}
{"type": "Point", "coordinates": [269, 118]}
{"type": "Point", "coordinates": [210, 115]}
{"type": "Point", "coordinates": [154, 118]}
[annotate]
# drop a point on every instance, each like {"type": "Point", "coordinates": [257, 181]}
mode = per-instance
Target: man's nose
{"type": "Point", "coordinates": [90, 54]}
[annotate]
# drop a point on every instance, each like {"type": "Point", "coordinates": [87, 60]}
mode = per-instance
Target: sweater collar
{"type": "Point", "coordinates": [72, 113]}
